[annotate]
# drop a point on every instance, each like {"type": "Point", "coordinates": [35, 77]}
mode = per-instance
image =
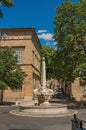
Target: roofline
{"type": "Point", "coordinates": [26, 28]}
{"type": "Point", "coordinates": [17, 28]}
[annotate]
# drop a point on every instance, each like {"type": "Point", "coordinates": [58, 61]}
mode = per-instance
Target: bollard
{"type": "Point", "coordinates": [17, 102]}
{"type": "Point", "coordinates": [75, 122]}
{"type": "Point", "coordinates": [73, 125]}
{"type": "Point", "coordinates": [81, 125]}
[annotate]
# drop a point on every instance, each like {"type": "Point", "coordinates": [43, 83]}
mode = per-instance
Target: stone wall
{"type": "Point", "coordinates": [76, 90]}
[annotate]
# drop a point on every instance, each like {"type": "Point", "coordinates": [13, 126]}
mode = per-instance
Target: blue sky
{"type": "Point", "coordinates": [39, 14]}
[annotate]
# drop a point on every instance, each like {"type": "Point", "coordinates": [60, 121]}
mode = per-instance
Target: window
{"type": "Point", "coordinates": [34, 81]}
{"type": "Point", "coordinates": [18, 53]}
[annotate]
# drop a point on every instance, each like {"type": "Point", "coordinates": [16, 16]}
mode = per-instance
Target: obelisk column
{"type": "Point", "coordinates": [43, 74]}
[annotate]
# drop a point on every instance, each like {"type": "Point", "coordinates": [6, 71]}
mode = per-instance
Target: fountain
{"type": "Point", "coordinates": [43, 93]}
{"type": "Point", "coordinates": [41, 107]}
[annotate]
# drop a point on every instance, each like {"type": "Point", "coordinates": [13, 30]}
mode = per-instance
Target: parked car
{"type": "Point", "coordinates": [58, 93]}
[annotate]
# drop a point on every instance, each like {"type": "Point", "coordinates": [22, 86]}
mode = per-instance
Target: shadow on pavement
{"type": "Point", "coordinates": [25, 129]}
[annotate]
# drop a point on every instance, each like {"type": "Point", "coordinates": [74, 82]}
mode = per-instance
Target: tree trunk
{"type": "Point", "coordinates": [1, 96]}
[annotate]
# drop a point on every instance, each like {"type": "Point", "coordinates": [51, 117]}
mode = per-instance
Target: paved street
{"type": "Point", "coordinates": [10, 122]}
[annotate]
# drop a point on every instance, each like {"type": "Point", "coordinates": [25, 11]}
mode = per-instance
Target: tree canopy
{"type": "Point", "coordinates": [49, 52]}
{"type": "Point", "coordinates": [6, 3]}
{"type": "Point", "coordinates": [70, 35]}
{"type": "Point", "coordinates": [11, 75]}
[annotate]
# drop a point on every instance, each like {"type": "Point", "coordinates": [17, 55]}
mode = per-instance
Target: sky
{"type": "Point", "coordinates": [39, 14]}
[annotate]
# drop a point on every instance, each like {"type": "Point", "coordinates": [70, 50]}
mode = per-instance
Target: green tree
{"type": "Point", "coordinates": [6, 3]}
{"type": "Point", "coordinates": [81, 72]}
{"type": "Point", "coordinates": [11, 74]}
{"type": "Point", "coordinates": [49, 52]}
{"type": "Point", "coordinates": [70, 32]}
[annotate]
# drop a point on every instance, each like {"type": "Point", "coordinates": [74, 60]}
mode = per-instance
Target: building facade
{"type": "Point", "coordinates": [75, 90]}
{"type": "Point", "coordinates": [27, 47]}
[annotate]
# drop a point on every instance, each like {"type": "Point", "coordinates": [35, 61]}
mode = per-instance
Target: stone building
{"type": "Point", "coordinates": [75, 91]}
{"type": "Point", "coordinates": [27, 47]}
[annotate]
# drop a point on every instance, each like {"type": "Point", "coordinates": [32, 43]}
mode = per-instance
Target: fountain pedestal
{"type": "Point", "coordinates": [41, 99]}
{"type": "Point", "coordinates": [43, 95]}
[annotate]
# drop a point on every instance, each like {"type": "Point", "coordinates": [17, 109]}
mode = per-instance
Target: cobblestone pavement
{"type": "Point", "coordinates": [10, 122]}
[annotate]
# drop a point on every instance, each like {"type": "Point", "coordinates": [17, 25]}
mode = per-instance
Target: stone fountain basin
{"type": "Point", "coordinates": [51, 105]}
{"type": "Point", "coordinates": [55, 110]}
